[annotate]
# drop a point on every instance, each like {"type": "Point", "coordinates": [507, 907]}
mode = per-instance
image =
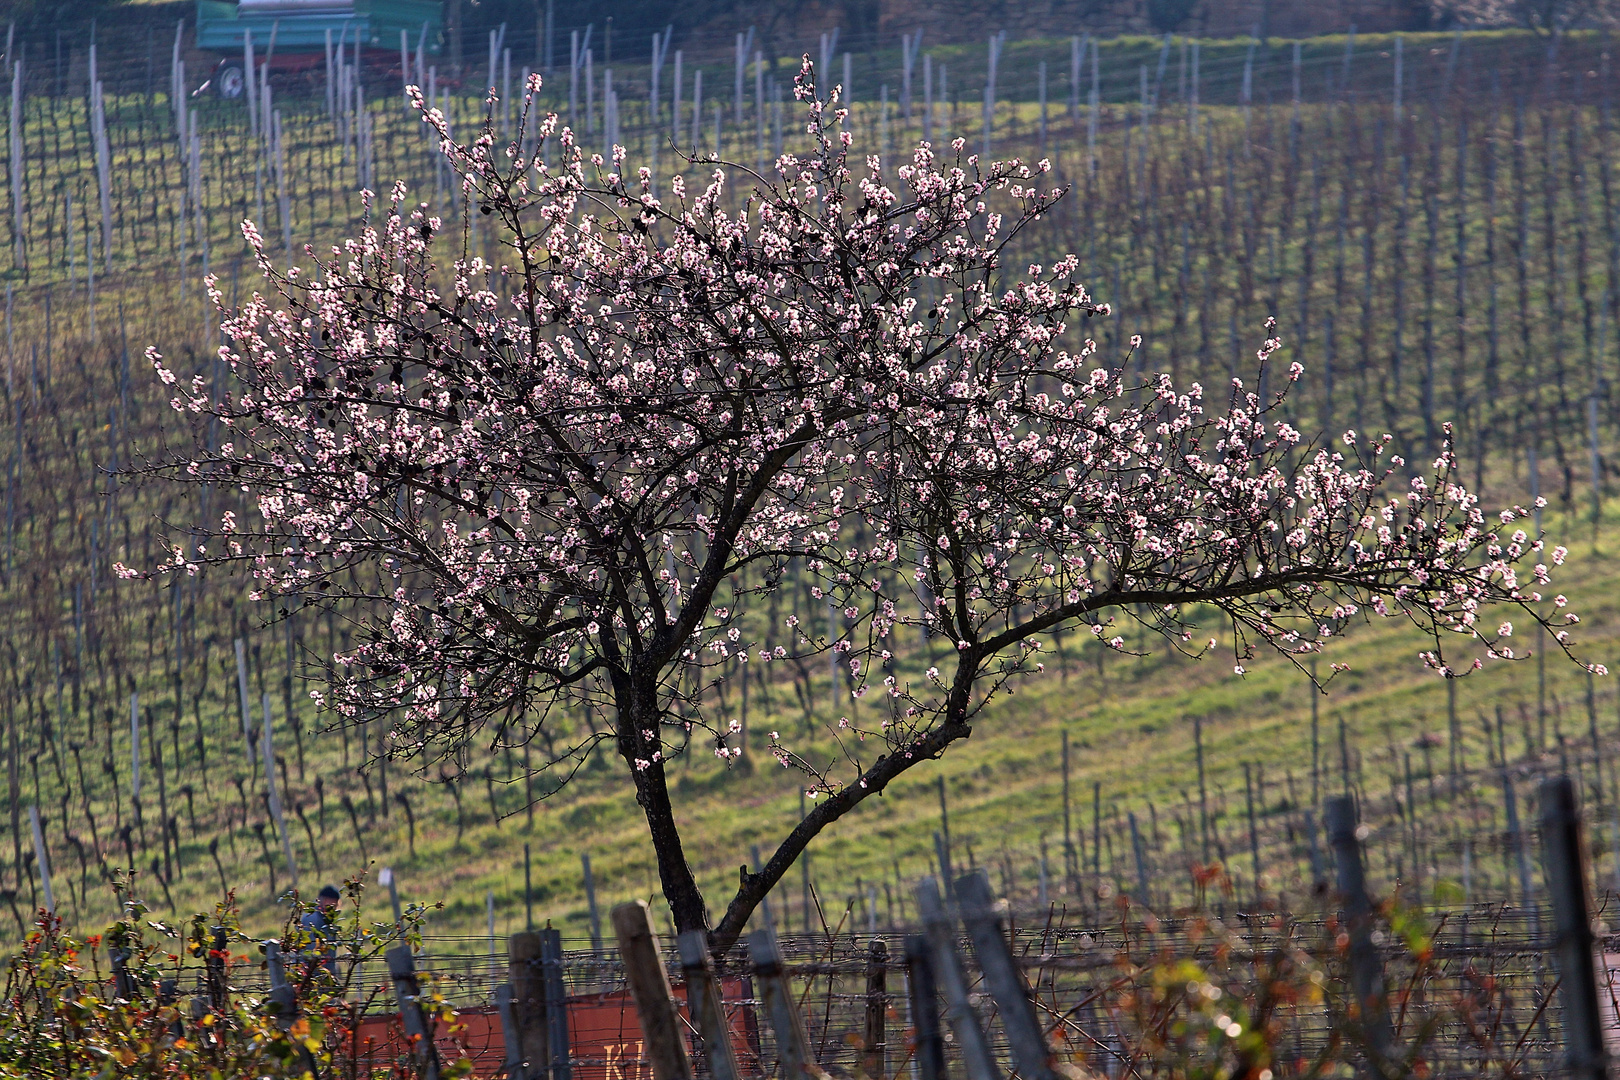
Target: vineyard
{"type": "Point", "coordinates": [1433, 221]}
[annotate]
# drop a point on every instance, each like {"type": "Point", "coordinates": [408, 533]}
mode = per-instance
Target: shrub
{"type": "Point", "coordinates": [150, 999]}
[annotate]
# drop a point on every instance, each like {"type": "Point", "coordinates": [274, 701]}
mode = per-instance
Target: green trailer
{"type": "Point", "coordinates": [293, 35]}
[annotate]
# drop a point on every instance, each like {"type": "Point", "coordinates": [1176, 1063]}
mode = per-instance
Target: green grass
{"type": "Point", "coordinates": [1241, 198]}
{"type": "Point", "coordinates": [1132, 733]}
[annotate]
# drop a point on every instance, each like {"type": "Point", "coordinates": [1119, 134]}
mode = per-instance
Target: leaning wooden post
{"type": "Point", "coordinates": [704, 1006]}
{"type": "Point", "coordinates": [970, 1037]}
{"type": "Point", "coordinates": [1031, 1053]}
{"type": "Point", "coordinates": [1572, 919]}
{"type": "Point", "coordinates": [402, 967]}
{"type": "Point", "coordinates": [924, 994]}
{"type": "Point", "coordinates": [527, 980]}
{"type": "Point", "coordinates": [649, 989]}
{"type": "Point", "coordinates": [512, 1061]}
{"type": "Point", "coordinates": [1366, 967]}
{"type": "Point", "coordinates": [793, 1058]}
{"type": "Point", "coordinates": [873, 1046]}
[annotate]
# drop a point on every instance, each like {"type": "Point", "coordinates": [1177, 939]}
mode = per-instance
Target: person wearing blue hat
{"type": "Point", "coordinates": [321, 925]}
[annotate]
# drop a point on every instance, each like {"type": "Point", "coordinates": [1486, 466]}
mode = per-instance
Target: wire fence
{"type": "Point", "coordinates": [1473, 989]}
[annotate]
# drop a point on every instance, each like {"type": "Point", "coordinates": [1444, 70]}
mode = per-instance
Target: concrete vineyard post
{"type": "Point", "coordinates": [923, 1002]}
{"type": "Point", "coordinates": [1096, 108]}
{"type": "Point", "coordinates": [1192, 101]}
{"type": "Point", "coordinates": [1254, 834]}
{"type": "Point", "coordinates": [42, 858]}
{"type": "Point", "coordinates": [1077, 46]}
{"type": "Point", "coordinates": [739, 62]}
{"type": "Point", "coordinates": [874, 1045]}
{"type": "Point", "coordinates": [649, 989]}
{"type": "Point", "coordinates": [1139, 850]}
{"type": "Point", "coordinates": [1040, 80]}
{"type": "Point", "coordinates": [274, 793]}
{"type": "Point", "coordinates": [793, 1057]}
{"type": "Point", "coordinates": [994, 58]}
{"type": "Point", "coordinates": [704, 1006]}
{"type": "Point", "coordinates": [1071, 864]}
{"type": "Point", "coordinates": [1366, 967]}
{"type": "Point", "coordinates": [759, 167]}
{"type": "Point", "coordinates": [18, 224]}
{"type": "Point", "coordinates": [970, 1035]}
{"type": "Point", "coordinates": [242, 690]}
{"type": "Point", "coordinates": [1032, 1056]}
{"type": "Point", "coordinates": [408, 994]}
{"type": "Point", "coordinates": [512, 1057]}
{"type": "Point", "coordinates": [590, 902]}
{"type": "Point", "coordinates": [1400, 75]}
{"type": "Point", "coordinates": [766, 917]}
{"type": "Point", "coordinates": [135, 749]}
{"type": "Point", "coordinates": [556, 996]}
{"type": "Point", "coordinates": [928, 124]}
{"type": "Point", "coordinates": [1564, 856]}
{"type": "Point", "coordinates": [1516, 844]}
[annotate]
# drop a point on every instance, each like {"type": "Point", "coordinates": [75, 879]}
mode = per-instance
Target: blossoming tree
{"type": "Point", "coordinates": [673, 435]}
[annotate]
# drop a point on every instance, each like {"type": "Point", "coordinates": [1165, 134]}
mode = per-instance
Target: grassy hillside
{"type": "Point", "coordinates": [1132, 734]}
{"type": "Point", "coordinates": [1417, 269]}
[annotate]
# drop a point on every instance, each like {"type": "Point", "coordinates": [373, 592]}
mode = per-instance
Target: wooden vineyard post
{"type": "Point", "coordinates": [649, 989]}
{"type": "Point", "coordinates": [792, 1044]}
{"type": "Point", "coordinates": [704, 1006]}
{"type": "Point", "coordinates": [874, 1045]}
{"type": "Point", "coordinates": [970, 1037]}
{"type": "Point", "coordinates": [1031, 1054]}
{"type": "Point", "coordinates": [1366, 967]}
{"type": "Point", "coordinates": [526, 978]}
{"type": "Point", "coordinates": [408, 991]}
{"type": "Point", "coordinates": [1572, 949]}
{"type": "Point", "coordinates": [924, 1002]}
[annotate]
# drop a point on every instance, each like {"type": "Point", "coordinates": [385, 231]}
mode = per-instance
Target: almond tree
{"type": "Point", "coordinates": [580, 480]}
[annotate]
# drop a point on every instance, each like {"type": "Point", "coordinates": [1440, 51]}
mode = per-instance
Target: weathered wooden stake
{"type": "Point", "coordinates": [649, 989]}
{"type": "Point", "coordinates": [526, 981]}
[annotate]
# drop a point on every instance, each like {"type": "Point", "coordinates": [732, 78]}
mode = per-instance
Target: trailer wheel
{"type": "Point", "coordinates": [229, 82]}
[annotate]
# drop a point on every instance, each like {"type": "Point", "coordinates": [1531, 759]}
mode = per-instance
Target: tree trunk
{"type": "Point", "coordinates": [641, 746]}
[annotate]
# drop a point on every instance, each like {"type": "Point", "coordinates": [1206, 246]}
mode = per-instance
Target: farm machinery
{"type": "Point", "coordinates": [296, 35]}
